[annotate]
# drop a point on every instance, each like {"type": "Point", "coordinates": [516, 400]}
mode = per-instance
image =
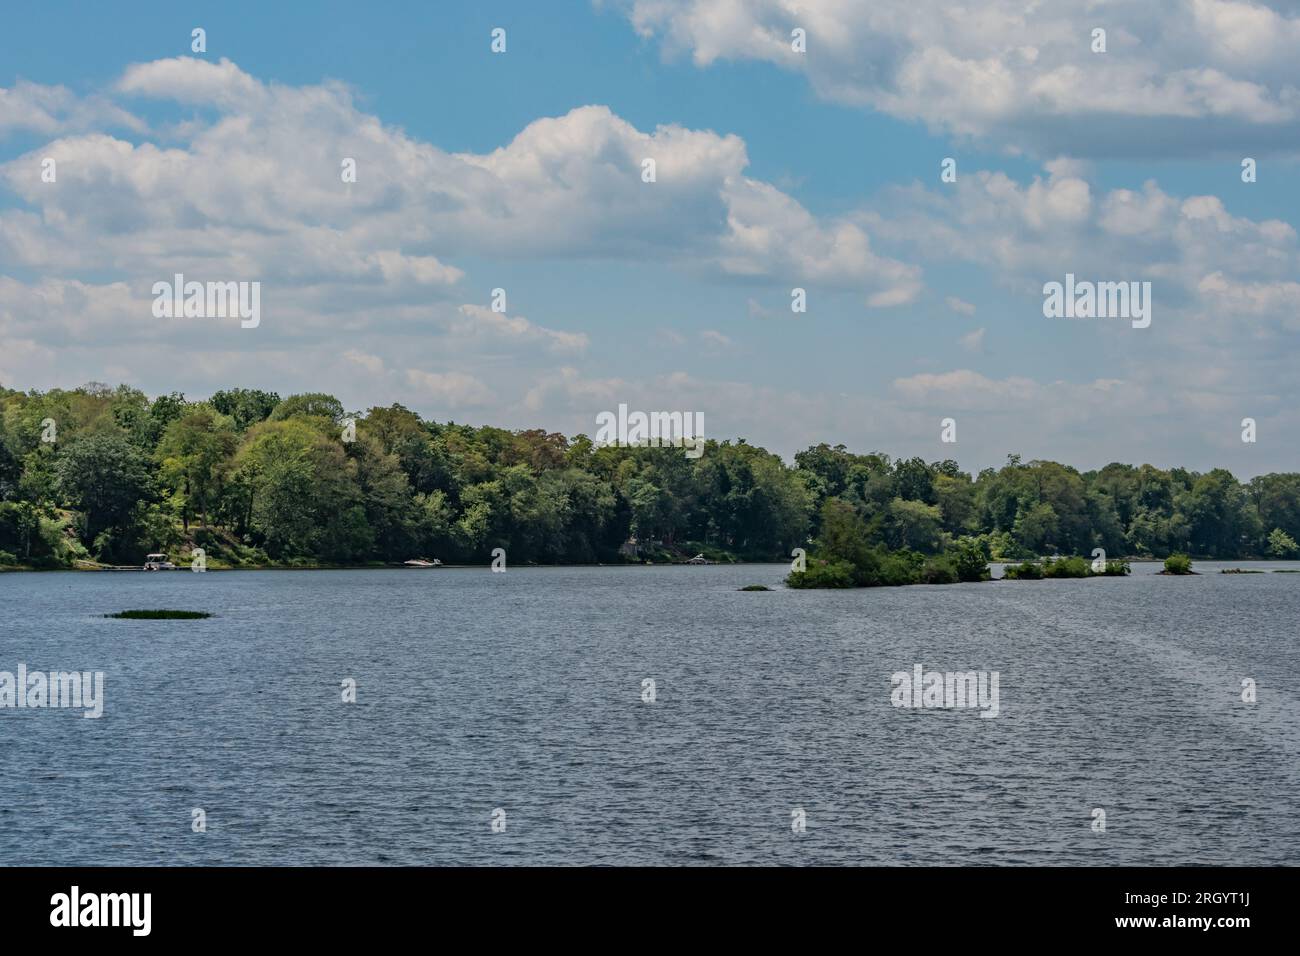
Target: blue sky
{"type": "Point", "coordinates": [778, 170]}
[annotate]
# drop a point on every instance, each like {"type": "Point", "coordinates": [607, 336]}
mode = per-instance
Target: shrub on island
{"type": "Point", "coordinates": [1178, 564]}
{"type": "Point", "coordinates": [970, 560]}
{"type": "Point", "coordinates": [1071, 567]}
{"type": "Point", "coordinates": [1066, 568]}
{"type": "Point", "coordinates": [880, 567]}
{"type": "Point", "coordinates": [847, 559]}
{"type": "Point", "coordinates": [1024, 571]}
{"type": "Point", "coordinates": [824, 574]}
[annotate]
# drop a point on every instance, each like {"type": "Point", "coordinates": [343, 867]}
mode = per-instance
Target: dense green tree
{"type": "Point", "coordinates": [1277, 502]}
{"type": "Point", "coordinates": [10, 467]}
{"type": "Point", "coordinates": [913, 525]}
{"type": "Point", "coordinates": [1281, 544]}
{"type": "Point", "coordinates": [309, 405]}
{"type": "Point", "coordinates": [955, 497]}
{"type": "Point", "coordinates": [194, 456]}
{"type": "Point", "coordinates": [1036, 527]}
{"type": "Point", "coordinates": [245, 406]}
{"type": "Point", "coordinates": [301, 498]}
{"type": "Point", "coordinates": [107, 479]}
{"type": "Point", "coordinates": [844, 536]}
{"type": "Point", "coordinates": [914, 481]}
{"type": "Point", "coordinates": [19, 529]}
{"type": "Point", "coordinates": [1222, 518]}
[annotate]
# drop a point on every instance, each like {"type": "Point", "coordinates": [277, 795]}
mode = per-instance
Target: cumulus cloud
{"type": "Point", "coordinates": [192, 80]}
{"type": "Point", "coordinates": [254, 189]}
{"type": "Point", "coordinates": [1031, 233]}
{"type": "Point", "coordinates": [448, 389]}
{"type": "Point", "coordinates": [1021, 73]}
{"type": "Point", "coordinates": [363, 281]}
{"type": "Point", "coordinates": [1087, 423]}
{"type": "Point", "coordinates": [976, 391]}
{"type": "Point", "coordinates": [1278, 299]}
{"type": "Point", "coordinates": [479, 320]}
{"type": "Point", "coordinates": [1224, 302]}
{"type": "Point", "coordinates": [52, 110]}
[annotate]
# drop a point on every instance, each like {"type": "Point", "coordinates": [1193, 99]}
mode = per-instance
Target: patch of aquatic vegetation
{"type": "Point", "coordinates": [160, 615]}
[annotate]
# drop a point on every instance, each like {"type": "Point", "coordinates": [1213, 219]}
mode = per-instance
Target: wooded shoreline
{"type": "Point", "coordinates": [104, 476]}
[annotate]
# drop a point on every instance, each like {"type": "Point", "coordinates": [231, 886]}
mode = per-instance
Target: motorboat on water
{"type": "Point", "coordinates": [422, 563]}
{"type": "Point", "coordinates": [158, 562]}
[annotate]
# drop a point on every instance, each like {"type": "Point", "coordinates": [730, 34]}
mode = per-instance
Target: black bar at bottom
{"type": "Point", "coordinates": [207, 904]}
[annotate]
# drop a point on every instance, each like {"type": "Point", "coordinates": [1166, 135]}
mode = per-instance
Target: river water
{"type": "Point", "coordinates": [519, 698]}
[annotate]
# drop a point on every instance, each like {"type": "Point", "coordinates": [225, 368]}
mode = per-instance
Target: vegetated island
{"type": "Point", "coordinates": [1178, 564]}
{"type": "Point", "coordinates": [1068, 567]}
{"type": "Point", "coordinates": [160, 615]}
{"type": "Point", "coordinates": [99, 476]}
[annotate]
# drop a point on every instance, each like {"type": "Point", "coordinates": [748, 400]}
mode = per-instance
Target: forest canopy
{"type": "Point", "coordinates": [109, 474]}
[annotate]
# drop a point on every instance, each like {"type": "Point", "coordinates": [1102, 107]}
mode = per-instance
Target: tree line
{"type": "Point", "coordinates": [109, 474]}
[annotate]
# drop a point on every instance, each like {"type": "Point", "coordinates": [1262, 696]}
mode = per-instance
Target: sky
{"type": "Point", "coordinates": [775, 169]}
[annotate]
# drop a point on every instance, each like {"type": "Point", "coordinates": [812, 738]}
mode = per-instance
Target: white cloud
{"type": "Point", "coordinates": [448, 389]}
{"type": "Point", "coordinates": [371, 363]}
{"type": "Point", "coordinates": [973, 341]}
{"type": "Point", "coordinates": [1224, 300]}
{"type": "Point", "coordinates": [568, 389]}
{"type": "Point", "coordinates": [1022, 73]}
{"type": "Point", "coordinates": [1086, 423]}
{"type": "Point", "coordinates": [51, 110]}
{"type": "Point", "coordinates": [193, 80]}
{"type": "Point", "coordinates": [1035, 232]}
{"type": "Point", "coordinates": [252, 189]}
{"type": "Point", "coordinates": [22, 358]}
{"type": "Point", "coordinates": [1279, 299]}
{"type": "Point", "coordinates": [480, 320]}
{"type": "Point", "coordinates": [362, 282]}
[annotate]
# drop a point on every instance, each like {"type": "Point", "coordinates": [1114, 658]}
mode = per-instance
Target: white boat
{"type": "Point", "coordinates": [699, 559]}
{"type": "Point", "coordinates": [158, 562]}
{"type": "Point", "coordinates": [422, 563]}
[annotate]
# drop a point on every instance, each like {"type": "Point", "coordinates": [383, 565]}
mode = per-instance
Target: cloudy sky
{"type": "Point", "coordinates": [774, 170]}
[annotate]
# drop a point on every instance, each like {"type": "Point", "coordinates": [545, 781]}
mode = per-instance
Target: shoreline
{"type": "Point", "coordinates": [18, 569]}
{"type": "Point", "coordinates": [106, 569]}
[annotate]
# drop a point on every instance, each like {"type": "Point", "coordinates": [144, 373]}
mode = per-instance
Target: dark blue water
{"type": "Point", "coordinates": [523, 691]}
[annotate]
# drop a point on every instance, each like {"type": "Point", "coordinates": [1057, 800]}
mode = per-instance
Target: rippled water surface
{"type": "Point", "coordinates": [522, 691]}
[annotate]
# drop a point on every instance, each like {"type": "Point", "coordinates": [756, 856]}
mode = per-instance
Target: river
{"type": "Point", "coordinates": [505, 719]}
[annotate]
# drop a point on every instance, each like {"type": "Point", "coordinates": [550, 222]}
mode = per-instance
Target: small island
{"type": "Point", "coordinates": [160, 615]}
{"type": "Point", "coordinates": [1071, 567]}
{"type": "Point", "coordinates": [1178, 564]}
